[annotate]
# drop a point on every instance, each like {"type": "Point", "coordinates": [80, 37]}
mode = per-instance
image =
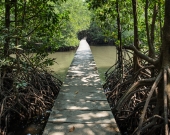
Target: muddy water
{"type": "Point", "coordinates": [105, 56]}
{"type": "Point", "coordinates": [62, 62]}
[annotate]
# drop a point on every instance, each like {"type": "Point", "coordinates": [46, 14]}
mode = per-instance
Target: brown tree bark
{"type": "Point", "coordinates": [147, 26]}
{"type": "Point", "coordinates": [154, 16]}
{"type": "Point", "coordinates": [165, 52]}
{"type": "Point", "coordinates": [136, 38]}
{"type": "Point", "coordinates": [166, 58]}
{"type": "Point", "coordinates": [150, 33]}
{"type": "Point", "coordinates": [119, 31]}
{"type": "Point", "coordinates": [7, 26]}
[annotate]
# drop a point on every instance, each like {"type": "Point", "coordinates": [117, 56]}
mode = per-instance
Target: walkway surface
{"type": "Point", "coordinates": [81, 107]}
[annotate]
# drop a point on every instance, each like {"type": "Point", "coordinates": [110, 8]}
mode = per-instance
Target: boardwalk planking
{"type": "Point", "coordinates": [81, 107]}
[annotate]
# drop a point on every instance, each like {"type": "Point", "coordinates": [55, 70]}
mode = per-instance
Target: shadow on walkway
{"type": "Point", "coordinates": [81, 107]}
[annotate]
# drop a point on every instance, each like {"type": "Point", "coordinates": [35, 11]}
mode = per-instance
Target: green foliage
{"type": "Point", "coordinates": [95, 35]}
{"type": "Point", "coordinates": [106, 16]}
{"type": "Point", "coordinates": [40, 26]}
{"type": "Point", "coordinates": [79, 19]}
{"type": "Point", "coordinates": [29, 30]}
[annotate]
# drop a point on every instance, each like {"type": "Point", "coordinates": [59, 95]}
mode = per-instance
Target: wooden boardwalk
{"type": "Point", "coordinates": [81, 107]}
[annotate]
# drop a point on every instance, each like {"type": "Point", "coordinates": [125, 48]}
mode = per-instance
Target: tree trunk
{"type": "Point", "coordinates": [150, 34]}
{"type": "Point", "coordinates": [147, 27]}
{"type": "Point", "coordinates": [166, 37]}
{"type": "Point", "coordinates": [165, 59]}
{"type": "Point", "coordinates": [136, 39]}
{"type": "Point", "coordinates": [119, 31]}
{"type": "Point", "coordinates": [165, 52]}
{"type": "Point", "coordinates": [7, 26]}
{"type": "Point", "coordinates": [152, 49]}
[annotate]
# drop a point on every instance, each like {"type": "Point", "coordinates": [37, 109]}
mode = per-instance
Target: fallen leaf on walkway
{"type": "Point", "coordinates": [72, 129]}
{"type": "Point", "coordinates": [76, 92]}
{"type": "Point", "coordinates": [95, 68]}
{"type": "Point", "coordinates": [42, 121]}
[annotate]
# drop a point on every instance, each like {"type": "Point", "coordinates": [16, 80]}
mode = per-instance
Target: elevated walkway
{"type": "Point", "coordinates": [81, 107]}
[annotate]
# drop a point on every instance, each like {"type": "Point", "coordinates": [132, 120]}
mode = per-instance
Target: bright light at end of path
{"type": "Point", "coordinates": [83, 45]}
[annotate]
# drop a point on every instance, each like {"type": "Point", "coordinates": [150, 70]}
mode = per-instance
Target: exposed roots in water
{"type": "Point", "coordinates": [25, 95]}
{"type": "Point", "coordinates": [140, 100]}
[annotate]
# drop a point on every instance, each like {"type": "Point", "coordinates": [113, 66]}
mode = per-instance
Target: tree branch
{"type": "Point", "coordinates": [142, 56]}
{"type": "Point", "coordinates": [135, 86]}
{"type": "Point", "coordinates": [31, 31]}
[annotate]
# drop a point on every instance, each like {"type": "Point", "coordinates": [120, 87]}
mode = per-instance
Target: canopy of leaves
{"type": "Point", "coordinates": [105, 13]}
{"type": "Point", "coordinates": [79, 19]}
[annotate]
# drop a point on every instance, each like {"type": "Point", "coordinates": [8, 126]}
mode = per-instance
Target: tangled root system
{"type": "Point", "coordinates": [25, 94]}
{"type": "Point", "coordinates": [138, 99]}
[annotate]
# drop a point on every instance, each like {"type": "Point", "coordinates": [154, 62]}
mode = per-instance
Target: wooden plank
{"type": "Point", "coordinates": [81, 129]}
{"type": "Point", "coordinates": [78, 116]}
{"type": "Point", "coordinates": [81, 105]}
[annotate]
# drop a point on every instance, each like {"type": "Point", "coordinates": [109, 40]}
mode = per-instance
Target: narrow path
{"type": "Point", "coordinates": [81, 107]}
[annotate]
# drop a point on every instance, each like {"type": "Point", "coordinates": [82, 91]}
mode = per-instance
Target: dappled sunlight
{"type": "Point", "coordinates": [87, 116]}
{"type": "Point", "coordinates": [57, 133]}
{"type": "Point", "coordinates": [83, 129]}
{"type": "Point", "coordinates": [81, 106]}
{"type": "Point", "coordinates": [81, 116]}
{"type": "Point", "coordinates": [89, 80]}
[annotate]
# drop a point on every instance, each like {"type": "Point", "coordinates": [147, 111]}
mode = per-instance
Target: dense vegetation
{"type": "Point", "coordinates": [95, 35]}
{"type": "Point", "coordinates": [29, 30]}
{"type": "Point", "coordinates": [138, 85]}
